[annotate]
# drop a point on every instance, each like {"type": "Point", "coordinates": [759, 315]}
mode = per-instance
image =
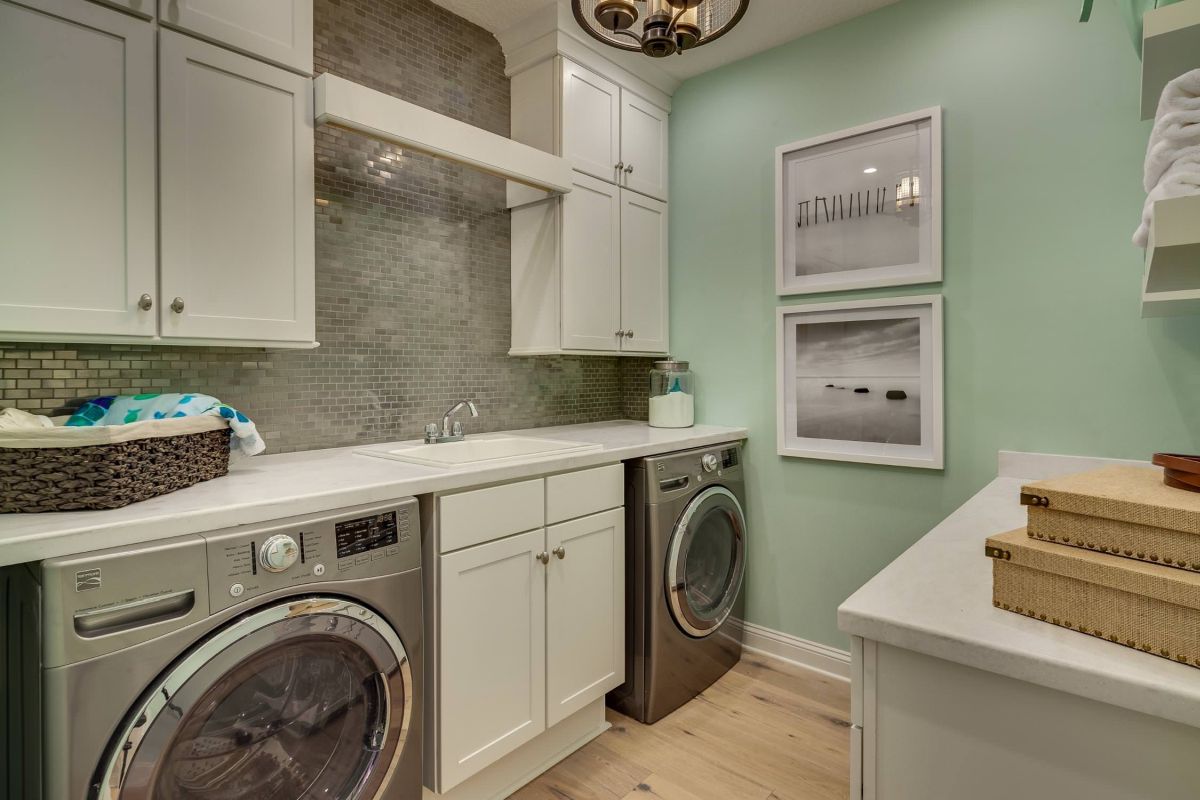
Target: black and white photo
{"type": "Point", "coordinates": [861, 381]}
{"type": "Point", "coordinates": [860, 208]}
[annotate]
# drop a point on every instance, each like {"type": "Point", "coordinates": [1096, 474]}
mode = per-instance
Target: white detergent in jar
{"type": "Point", "coordinates": [672, 395]}
{"type": "Point", "coordinates": [673, 410]}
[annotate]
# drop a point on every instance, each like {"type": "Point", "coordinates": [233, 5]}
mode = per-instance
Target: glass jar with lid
{"type": "Point", "coordinates": [672, 395]}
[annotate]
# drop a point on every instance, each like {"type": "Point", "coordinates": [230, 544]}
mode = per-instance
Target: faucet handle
{"type": "Point", "coordinates": [458, 429]}
{"type": "Point", "coordinates": [431, 432]}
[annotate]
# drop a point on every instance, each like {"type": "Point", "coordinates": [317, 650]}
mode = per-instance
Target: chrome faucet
{"type": "Point", "coordinates": [434, 435]}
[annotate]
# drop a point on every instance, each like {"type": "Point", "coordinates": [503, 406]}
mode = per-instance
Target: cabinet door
{"type": "Point", "coordinates": [591, 124]}
{"type": "Point", "coordinates": [644, 145]}
{"type": "Point", "coordinates": [643, 273]}
{"type": "Point", "coordinates": [492, 656]}
{"type": "Point", "coordinates": [591, 266]}
{"type": "Point", "coordinates": [236, 157]}
{"type": "Point", "coordinates": [77, 218]}
{"type": "Point", "coordinates": [585, 612]}
{"type": "Point", "coordinates": [280, 31]}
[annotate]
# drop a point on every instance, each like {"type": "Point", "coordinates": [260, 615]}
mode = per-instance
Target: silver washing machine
{"type": "Point", "coordinates": [278, 661]}
{"type": "Point", "coordinates": [685, 577]}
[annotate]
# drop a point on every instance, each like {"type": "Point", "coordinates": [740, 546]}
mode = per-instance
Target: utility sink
{"type": "Point", "coordinates": [482, 450]}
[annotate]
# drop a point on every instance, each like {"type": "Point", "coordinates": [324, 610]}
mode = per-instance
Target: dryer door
{"type": "Point", "coordinates": [303, 699]}
{"type": "Point", "coordinates": [706, 562]}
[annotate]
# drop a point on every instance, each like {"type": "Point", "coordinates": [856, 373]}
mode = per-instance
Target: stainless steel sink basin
{"type": "Point", "coordinates": [482, 450]}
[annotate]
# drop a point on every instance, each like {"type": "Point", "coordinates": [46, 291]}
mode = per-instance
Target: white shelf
{"type": "Point", "coordinates": [1172, 282]}
{"type": "Point", "coordinates": [348, 105]}
{"type": "Point", "coordinates": [1170, 47]}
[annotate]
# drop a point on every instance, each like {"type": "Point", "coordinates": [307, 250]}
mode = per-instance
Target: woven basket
{"type": "Point", "coordinates": [34, 480]}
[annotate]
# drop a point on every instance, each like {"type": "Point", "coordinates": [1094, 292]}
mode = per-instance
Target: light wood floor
{"type": "Point", "coordinates": [765, 731]}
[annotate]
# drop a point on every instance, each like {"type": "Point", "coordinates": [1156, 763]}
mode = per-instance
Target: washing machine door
{"type": "Point", "coordinates": [706, 561]}
{"type": "Point", "coordinates": [308, 698]}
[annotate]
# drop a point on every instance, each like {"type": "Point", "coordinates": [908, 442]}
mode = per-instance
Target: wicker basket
{"type": "Point", "coordinates": [34, 480]}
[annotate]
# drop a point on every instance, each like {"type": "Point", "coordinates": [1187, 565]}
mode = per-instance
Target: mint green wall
{"type": "Point", "coordinates": [1045, 348]}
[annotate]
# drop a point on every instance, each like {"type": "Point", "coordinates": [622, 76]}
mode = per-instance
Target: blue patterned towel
{"type": "Point", "coordinates": [121, 410]}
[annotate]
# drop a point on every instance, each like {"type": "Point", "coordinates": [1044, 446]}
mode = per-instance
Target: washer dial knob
{"type": "Point", "coordinates": [709, 462]}
{"type": "Point", "coordinates": [278, 553]}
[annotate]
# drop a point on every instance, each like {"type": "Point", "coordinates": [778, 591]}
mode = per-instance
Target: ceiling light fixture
{"type": "Point", "coordinates": [870, 170]}
{"type": "Point", "coordinates": [658, 28]}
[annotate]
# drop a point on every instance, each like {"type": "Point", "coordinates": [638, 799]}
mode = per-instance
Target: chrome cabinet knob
{"type": "Point", "coordinates": [619, 334]}
{"type": "Point", "coordinates": [561, 552]}
{"type": "Point", "coordinates": [620, 166]}
{"type": "Point", "coordinates": [177, 305]}
{"type": "Point", "coordinates": [543, 557]}
{"type": "Point", "coordinates": [628, 334]}
{"type": "Point", "coordinates": [145, 302]}
{"type": "Point", "coordinates": [629, 170]}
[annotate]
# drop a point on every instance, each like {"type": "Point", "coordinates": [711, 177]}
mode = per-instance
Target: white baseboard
{"type": "Point", "coordinates": [794, 650]}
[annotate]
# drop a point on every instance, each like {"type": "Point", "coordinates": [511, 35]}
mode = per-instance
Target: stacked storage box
{"type": "Point", "coordinates": [1113, 553]}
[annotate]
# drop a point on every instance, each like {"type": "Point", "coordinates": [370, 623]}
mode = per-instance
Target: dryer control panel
{"type": "Point", "coordinates": [350, 544]}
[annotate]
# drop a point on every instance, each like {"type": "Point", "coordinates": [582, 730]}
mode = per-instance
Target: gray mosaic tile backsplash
{"type": "Point", "coordinates": [412, 277]}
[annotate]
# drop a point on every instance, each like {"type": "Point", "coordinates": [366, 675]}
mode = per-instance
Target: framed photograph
{"type": "Point", "coordinates": [861, 208]}
{"type": "Point", "coordinates": [862, 381]}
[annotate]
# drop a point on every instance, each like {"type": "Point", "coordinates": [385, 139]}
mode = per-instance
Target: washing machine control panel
{"type": "Point", "coordinates": [365, 542]}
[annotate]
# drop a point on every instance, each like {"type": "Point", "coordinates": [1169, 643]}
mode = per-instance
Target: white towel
{"type": "Point", "coordinates": [1173, 155]}
{"type": "Point", "coordinates": [14, 419]}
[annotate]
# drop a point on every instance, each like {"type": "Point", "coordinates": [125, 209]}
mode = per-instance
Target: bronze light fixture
{"type": "Point", "coordinates": [658, 28]}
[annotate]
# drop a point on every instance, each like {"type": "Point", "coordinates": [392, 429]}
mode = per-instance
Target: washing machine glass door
{"type": "Point", "coordinates": [706, 562]}
{"type": "Point", "coordinates": [304, 699]}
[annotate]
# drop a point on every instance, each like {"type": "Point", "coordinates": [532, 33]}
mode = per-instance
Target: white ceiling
{"type": "Point", "coordinates": [767, 24]}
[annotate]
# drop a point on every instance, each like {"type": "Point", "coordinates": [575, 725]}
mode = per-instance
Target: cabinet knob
{"type": "Point", "coordinates": [543, 557]}
{"type": "Point", "coordinates": [561, 552]}
{"type": "Point", "coordinates": [620, 166]}
{"type": "Point", "coordinates": [628, 334]}
{"type": "Point", "coordinates": [145, 302]}
{"type": "Point", "coordinates": [629, 170]}
{"type": "Point", "coordinates": [177, 305]}
{"type": "Point", "coordinates": [619, 334]}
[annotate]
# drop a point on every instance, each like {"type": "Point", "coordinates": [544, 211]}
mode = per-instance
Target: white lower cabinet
{"type": "Point", "coordinates": [529, 629]}
{"type": "Point", "coordinates": [585, 612]}
{"type": "Point", "coordinates": [492, 674]}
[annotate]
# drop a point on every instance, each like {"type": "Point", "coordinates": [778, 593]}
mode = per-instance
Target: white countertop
{"type": "Point", "coordinates": [278, 486]}
{"type": "Point", "coordinates": [936, 598]}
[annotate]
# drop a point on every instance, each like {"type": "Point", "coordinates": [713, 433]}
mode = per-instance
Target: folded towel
{"type": "Point", "coordinates": [14, 419]}
{"type": "Point", "coordinates": [1173, 154]}
{"type": "Point", "coordinates": [114, 410]}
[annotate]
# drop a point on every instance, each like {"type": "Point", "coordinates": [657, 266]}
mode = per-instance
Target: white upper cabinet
{"type": "Point", "coordinates": [585, 612]}
{"type": "Point", "coordinates": [644, 262]}
{"type": "Point", "coordinates": [143, 8]}
{"type": "Point", "coordinates": [237, 222]}
{"type": "Point", "coordinates": [591, 266]}
{"type": "Point", "coordinates": [643, 146]}
{"type": "Point", "coordinates": [77, 213]}
{"type": "Point", "coordinates": [591, 122]}
{"type": "Point", "coordinates": [279, 31]}
{"type": "Point", "coordinates": [491, 681]}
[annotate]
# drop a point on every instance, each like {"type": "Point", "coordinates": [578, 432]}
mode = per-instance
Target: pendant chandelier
{"type": "Point", "coordinates": [658, 28]}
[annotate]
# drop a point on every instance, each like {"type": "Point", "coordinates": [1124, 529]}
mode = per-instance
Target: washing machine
{"type": "Point", "coordinates": [269, 662]}
{"type": "Point", "coordinates": [685, 577]}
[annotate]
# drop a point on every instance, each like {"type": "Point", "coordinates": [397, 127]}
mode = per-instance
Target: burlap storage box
{"type": "Point", "coordinates": [1148, 607]}
{"type": "Point", "coordinates": [1125, 511]}
{"type": "Point", "coordinates": [75, 469]}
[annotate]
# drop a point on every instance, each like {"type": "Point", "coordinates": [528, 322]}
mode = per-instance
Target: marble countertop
{"type": "Point", "coordinates": [278, 486]}
{"type": "Point", "coordinates": [936, 598]}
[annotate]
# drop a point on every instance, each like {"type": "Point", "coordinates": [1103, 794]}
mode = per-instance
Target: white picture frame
{"type": "Point", "coordinates": [828, 416]}
{"type": "Point", "coordinates": [828, 239]}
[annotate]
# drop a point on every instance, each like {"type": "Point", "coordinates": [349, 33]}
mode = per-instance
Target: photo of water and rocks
{"type": "Point", "coordinates": [859, 381]}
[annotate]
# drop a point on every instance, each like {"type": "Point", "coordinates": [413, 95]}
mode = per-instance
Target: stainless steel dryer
{"type": "Point", "coordinates": [279, 661]}
{"type": "Point", "coordinates": [685, 576]}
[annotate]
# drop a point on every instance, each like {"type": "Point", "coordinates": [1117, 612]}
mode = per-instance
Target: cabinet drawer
{"type": "Point", "coordinates": [469, 518]}
{"type": "Point", "coordinates": [577, 494]}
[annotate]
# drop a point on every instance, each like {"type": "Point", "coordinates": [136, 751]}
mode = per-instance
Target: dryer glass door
{"type": "Point", "coordinates": [304, 699]}
{"type": "Point", "coordinates": [706, 563]}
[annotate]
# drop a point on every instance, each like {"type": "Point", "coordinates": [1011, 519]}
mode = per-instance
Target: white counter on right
{"type": "Point", "coordinates": [955, 698]}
